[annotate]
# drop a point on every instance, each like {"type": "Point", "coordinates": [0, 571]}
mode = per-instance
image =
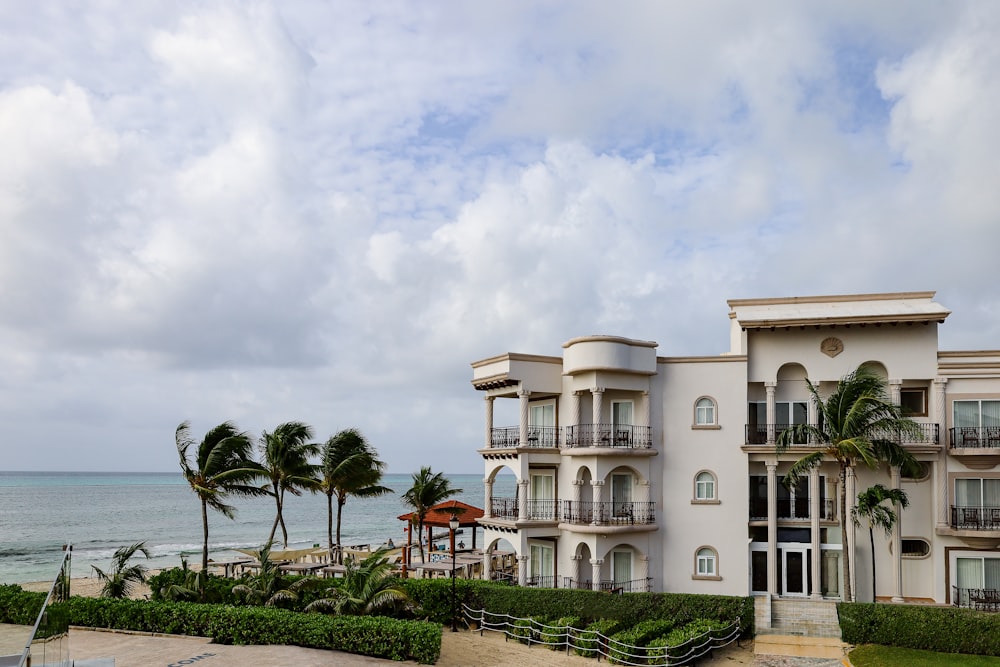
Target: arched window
{"type": "Point", "coordinates": [704, 412]}
{"type": "Point", "coordinates": [706, 563]}
{"type": "Point", "coordinates": [704, 486]}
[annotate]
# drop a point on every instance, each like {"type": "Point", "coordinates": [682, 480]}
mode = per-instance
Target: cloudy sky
{"type": "Point", "coordinates": [324, 211]}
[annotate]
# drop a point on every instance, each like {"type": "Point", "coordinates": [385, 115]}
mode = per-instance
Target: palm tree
{"type": "Point", "coordinates": [870, 507]}
{"type": "Point", "coordinates": [366, 588]}
{"type": "Point", "coordinates": [120, 581]}
{"type": "Point", "coordinates": [428, 490]}
{"type": "Point", "coordinates": [858, 424]}
{"type": "Point", "coordinates": [350, 467]}
{"type": "Point", "coordinates": [222, 467]}
{"type": "Point", "coordinates": [285, 454]}
{"type": "Point", "coordinates": [269, 586]}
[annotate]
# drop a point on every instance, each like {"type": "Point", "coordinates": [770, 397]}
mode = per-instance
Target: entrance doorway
{"type": "Point", "coordinates": [795, 572]}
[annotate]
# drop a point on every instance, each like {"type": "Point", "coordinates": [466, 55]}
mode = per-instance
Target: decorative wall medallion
{"type": "Point", "coordinates": [831, 346]}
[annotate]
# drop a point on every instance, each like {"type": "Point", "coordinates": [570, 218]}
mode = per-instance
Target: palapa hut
{"type": "Point", "coordinates": [438, 517]}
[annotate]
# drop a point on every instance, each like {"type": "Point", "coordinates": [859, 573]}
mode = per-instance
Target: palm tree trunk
{"type": "Point", "coordinates": [329, 521]}
{"type": "Point", "coordinates": [281, 519]}
{"type": "Point", "coordinates": [420, 537]}
{"type": "Point", "coordinates": [274, 526]}
{"type": "Point", "coordinates": [340, 507]}
{"type": "Point", "coordinates": [871, 536]}
{"type": "Point", "coordinates": [843, 532]}
{"type": "Point", "coordinates": [204, 528]}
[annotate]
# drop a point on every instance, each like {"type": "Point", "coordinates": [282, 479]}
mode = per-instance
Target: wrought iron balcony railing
{"type": "Point", "coordinates": [508, 509]}
{"type": "Point", "coordinates": [541, 581]}
{"type": "Point", "coordinates": [983, 599]}
{"type": "Point", "coordinates": [608, 586]}
{"type": "Point", "coordinates": [504, 508]}
{"type": "Point", "coordinates": [928, 433]}
{"type": "Point", "coordinates": [609, 435]}
{"type": "Point", "coordinates": [609, 513]}
{"type": "Point", "coordinates": [543, 510]}
{"type": "Point", "coordinates": [509, 437]}
{"type": "Point", "coordinates": [793, 510]}
{"type": "Point", "coordinates": [974, 437]}
{"type": "Point", "coordinates": [975, 518]}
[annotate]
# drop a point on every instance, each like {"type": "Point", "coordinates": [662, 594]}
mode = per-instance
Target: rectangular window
{"type": "Point", "coordinates": [706, 563]}
{"type": "Point", "coordinates": [913, 402]}
{"type": "Point", "coordinates": [976, 414]}
{"type": "Point", "coordinates": [542, 415]}
{"type": "Point", "coordinates": [977, 493]}
{"type": "Point", "coordinates": [541, 564]}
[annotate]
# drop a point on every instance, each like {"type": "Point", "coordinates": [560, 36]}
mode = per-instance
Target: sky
{"type": "Point", "coordinates": [325, 211]}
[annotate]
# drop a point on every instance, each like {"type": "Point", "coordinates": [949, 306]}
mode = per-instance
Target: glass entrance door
{"type": "Point", "coordinates": [794, 571]}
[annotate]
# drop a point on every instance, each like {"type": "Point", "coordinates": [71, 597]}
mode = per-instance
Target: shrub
{"type": "Point", "coordinates": [523, 630]}
{"type": "Point", "coordinates": [627, 646]}
{"type": "Point", "coordinates": [18, 606]}
{"type": "Point", "coordinates": [678, 644]}
{"type": "Point", "coordinates": [592, 641]}
{"type": "Point", "coordinates": [941, 629]}
{"type": "Point", "coordinates": [558, 633]}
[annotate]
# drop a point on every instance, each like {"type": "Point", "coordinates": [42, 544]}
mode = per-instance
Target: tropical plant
{"type": "Point", "coordinates": [368, 587]}
{"type": "Point", "coordinates": [222, 467]}
{"type": "Point", "coordinates": [858, 424]}
{"type": "Point", "coordinates": [120, 581]}
{"type": "Point", "coordinates": [285, 454]}
{"type": "Point", "coordinates": [190, 588]}
{"type": "Point", "coordinates": [429, 489]}
{"type": "Point", "coordinates": [349, 467]}
{"type": "Point", "coordinates": [871, 508]}
{"type": "Point", "coordinates": [269, 586]}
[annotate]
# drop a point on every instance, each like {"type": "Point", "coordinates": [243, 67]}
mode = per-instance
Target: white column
{"type": "Point", "coordinates": [597, 487]}
{"type": "Point", "coordinates": [522, 500]}
{"type": "Point", "coordinates": [851, 485]}
{"type": "Point", "coordinates": [895, 391]}
{"type": "Point", "coordinates": [644, 417]}
{"type": "Point", "coordinates": [769, 388]}
{"type": "Point", "coordinates": [941, 465]}
{"type": "Point", "coordinates": [523, 436]}
{"type": "Point", "coordinates": [897, 541]}
{"type": "Point", "coordinates": [489, 421]}
{"type": "Point", "coordinates": [643, 569]}
{"type": "Point", "coordinates": [598, 395]}
{"type": "Point", "coordinates": [488, 505]}
{"type": "Point", "coordinates": [487, 564]}
{"type": "Point", "coordinates": [574, 419]}
{"type": "Point", "coordinates": [522, 570]}
{"type": "Point", "coordinates": [772, 528]}
{"type": "Point", "coordinates": [595, 573]}
{"type": "Point", "coordinates": [814, 513]}
{"type": "Point", "coordinates": [574, 573]}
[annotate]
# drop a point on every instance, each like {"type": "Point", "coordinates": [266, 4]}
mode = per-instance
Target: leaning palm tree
{"type": "Point", "coordinates": [285, 454]}
{"type": "Point", "coordinates": [871, 508]}
{"type": "Point", "coordinates": [367, 587]}
{"type": "Point", "coordinates": [428, 490]}
{"type": "Point", "coordinates": [120, 581]}
{"type": "Point", "coordinates": [857, 424]}
{"type": "Point", "coordinates": [350, 467]}
{"type": "Point", "coordinates": [222, 467]}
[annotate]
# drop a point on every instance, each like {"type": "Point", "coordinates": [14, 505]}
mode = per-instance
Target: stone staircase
{"type": "Point", "coordinates": [800, 627]}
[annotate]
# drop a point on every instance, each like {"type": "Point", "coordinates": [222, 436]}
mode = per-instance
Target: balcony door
{"type": "Point", "coordinates": [621, 423]}
{"type": "Point", "coordinates": [621, 567]}
{"type": "Point", "coordinates": [541, 567]}
{"type": "Point", "coordinates": [543, 495]}
{"type": "Point", "coordinates": [621, 495]}
{"type": "Point", "coordinates": [541, 425]}
{"type": "Point", "coordinates": [794, 569]}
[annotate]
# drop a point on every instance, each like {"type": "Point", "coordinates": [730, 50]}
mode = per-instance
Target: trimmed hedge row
{"type": "Point", "coordinates": [434, 597]}
{"type": "Point", "coordinates": [374, 636]}
{"type": "Point", "coordinates": [940, 629]}
{"type": "Point", "coordinates": [18, 606]}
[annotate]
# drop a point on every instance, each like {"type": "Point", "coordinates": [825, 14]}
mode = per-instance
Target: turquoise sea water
{"type": "Point", "coordinates": [100, 512]}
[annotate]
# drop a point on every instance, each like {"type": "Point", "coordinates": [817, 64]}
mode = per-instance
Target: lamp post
{"type": "Point", "coordinates": [453, 525]}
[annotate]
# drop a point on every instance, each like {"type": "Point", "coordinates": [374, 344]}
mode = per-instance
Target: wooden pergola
{"type": "Point", "coordinates": [438, 516]}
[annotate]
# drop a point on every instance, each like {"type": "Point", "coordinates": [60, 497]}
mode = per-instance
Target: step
{"type": "Point", "coordinates": [800, 647]}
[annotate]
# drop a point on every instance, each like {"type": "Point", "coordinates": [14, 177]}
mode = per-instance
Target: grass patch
{"type": "Point", "coordinates": [892, 656]}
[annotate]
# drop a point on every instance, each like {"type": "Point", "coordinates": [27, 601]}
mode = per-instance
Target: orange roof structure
{"type": "Point", "coordinates": [440, 514]}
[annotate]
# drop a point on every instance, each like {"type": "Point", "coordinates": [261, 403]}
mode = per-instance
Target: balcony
{"type": "Point", "coordinates": [975, 518]}
{"type": "Point", "coordinates": [609, 513]}
{"type": "Point", "coordinates": [509, 437]}
{"type": "Point", "coordinates": [929, 434]}
{"type": "Point", "coordinates": [981, 599]}
{"type": "Point", "coordinates": [616, 436]}
{"type": "Point", "coordinates": [508, 509]}
{"type": "Point", "coordinates": [977, 447]}
{"type": "Point", "coordinates": [787, 509]}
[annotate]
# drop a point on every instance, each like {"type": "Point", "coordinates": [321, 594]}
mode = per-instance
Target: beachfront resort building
{"type": "Point", "coordinates": [636, 470]}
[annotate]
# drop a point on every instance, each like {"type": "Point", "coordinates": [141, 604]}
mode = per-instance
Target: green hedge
{"type": "Point", "coordinates": [19, 607]}
{"type": "Point", "coordinates": [559, 631]}
{"type": "Point", "coordinates": [636, 637]}
{"type": "Point", "coordinates": [941, 629]}
{"type": "Point", "coordinates": [677, 644]}
{"type": "Point", "coordinates": [367, 635]}
{"type": "Point", "coordinates": [589, 642]}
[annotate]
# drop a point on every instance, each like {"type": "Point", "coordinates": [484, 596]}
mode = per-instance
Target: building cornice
{"type": "Point", "coordinates": [830, 298]}
{"type": "Point", "coordinates": [726, 358]}
{"type": "Point", "coordinates": [610, 339]}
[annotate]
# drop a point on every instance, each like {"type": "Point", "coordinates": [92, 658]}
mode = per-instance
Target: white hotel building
{"type": "Point", "coordinates": [644, 472]}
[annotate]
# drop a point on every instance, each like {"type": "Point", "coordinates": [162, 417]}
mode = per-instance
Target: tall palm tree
{"type": "Point", "coordinates": [285, 456]}
{"type": "Point", "coordinates": [366, 588]}
{"type": "Point", "coordinates": [429, 489]}
{"type": "Point", "coordinates": [120, 581]}
{"type": "Point", "coordinates": [221, 467]}
{"type": "Point", "coordinates": [350, 467]}
{"type": "Point", "coordinates": [871, 508]}
{"type": "Point", "coordinates": [858, 424]}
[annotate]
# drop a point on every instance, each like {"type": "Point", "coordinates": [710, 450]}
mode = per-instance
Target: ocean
{"type": "Point", "coordinates": [99, 512]}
